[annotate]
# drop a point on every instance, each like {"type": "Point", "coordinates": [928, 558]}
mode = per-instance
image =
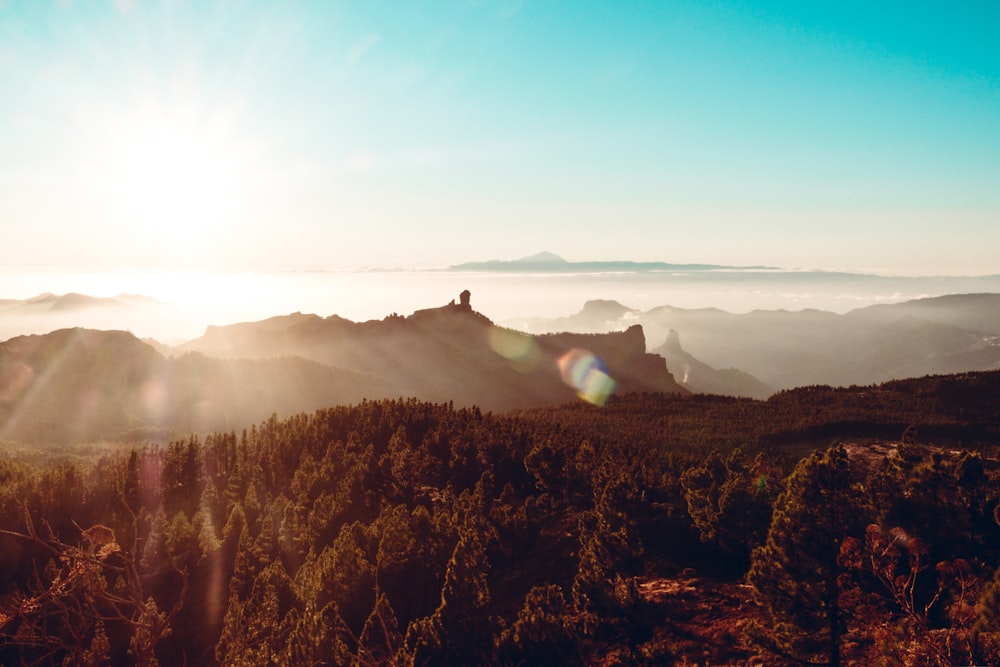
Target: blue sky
{"type": "Point", "coordinates": [260, 135]}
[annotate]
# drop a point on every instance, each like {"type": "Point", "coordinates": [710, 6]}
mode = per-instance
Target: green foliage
{"type": "Point", "coordinates": [401, 532]}
{"type": "Point", "coordinates": [795, 574]}
{"type": "Point", "coordinates": [182, 538]}
{"type": "Point", "coordinates": [730, 504]}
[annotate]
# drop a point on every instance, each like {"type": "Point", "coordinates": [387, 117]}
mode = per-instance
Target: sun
{"type": "Point", "coordinates": [175, 175]}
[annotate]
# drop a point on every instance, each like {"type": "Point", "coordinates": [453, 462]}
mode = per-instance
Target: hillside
{"type": "Point", "coordinates": [701, 378]}
{"type": "Point", "coordinates": [784, 349]}
{"type": "Point", "coordinates": [659, 529]}
{"type": "Point", "coordinates": [78, 384]}
{"type": "Point", "coordinates": [451, 353]}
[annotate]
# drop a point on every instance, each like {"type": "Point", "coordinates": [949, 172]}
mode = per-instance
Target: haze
{"type": "Point", "coordinates": [193, 137]}
{"type": "Point", "coordinates": [187, 302]}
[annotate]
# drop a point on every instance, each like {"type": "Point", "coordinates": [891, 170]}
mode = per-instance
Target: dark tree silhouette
{"type": "Point", "coordinates": [795, 574]}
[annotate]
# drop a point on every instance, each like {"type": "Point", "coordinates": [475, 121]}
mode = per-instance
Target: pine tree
{"type": "Point", "coordinates": [457, 632]}
{"type": "Point", "coordinates": [795, 574]}
{"type": "Point", "coordinates": [539, 635]}
{"type": "Point", "coordinates": [380, 637]}
{"type": "Point", "coordinates": [988, 607]}
{"type": "Point", "coordinates": [730, 505]}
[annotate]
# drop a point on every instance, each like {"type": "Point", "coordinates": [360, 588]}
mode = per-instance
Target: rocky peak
{"type": "Point", "coordinates": [673, 342]}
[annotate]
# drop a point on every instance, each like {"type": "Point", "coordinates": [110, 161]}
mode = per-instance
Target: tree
{"type": "Point", "coordinates": [539, 635]}
{"type": "Point", "coordinates": [795, 573]}
{"type": "Point", "coordinates": [457, 632]}
{"type": "Point", "coordinates": [86, 588]}
{"type": "Point", "coordinates": [730, 504]}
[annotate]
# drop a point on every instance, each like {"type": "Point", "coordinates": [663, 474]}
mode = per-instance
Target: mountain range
{"type": "Point", "coordinates": [85, 385]}
{"type": "Point", "coordinates": [550, 262]}
{"type": "Point", "coordinates": [781, 349]}
{"type": "Point", "coordinates": [451, 353]}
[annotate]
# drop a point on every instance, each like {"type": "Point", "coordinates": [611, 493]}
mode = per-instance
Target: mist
{"type": "Point", "coordinates": [173, 306]}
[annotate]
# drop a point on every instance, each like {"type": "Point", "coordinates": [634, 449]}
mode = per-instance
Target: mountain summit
{"type": "Point", "coordinates": [541, 260]}
{"type": "Point", "coordinates": [547, 261]}
{"type": "Point", "coordinates": [74, 385]}
{"type": "Point", "coordinates": [544, 257]}
{"type": "Point", "coordinates": [448, 353]}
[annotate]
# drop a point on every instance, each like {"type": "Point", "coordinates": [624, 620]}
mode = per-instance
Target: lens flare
{"type": "Point", "coordinates": [587, 373]}
{"type": "Point", "coordinates": [518, 348]}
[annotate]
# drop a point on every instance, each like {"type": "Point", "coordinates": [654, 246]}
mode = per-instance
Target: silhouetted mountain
{"type": "Point", "coordinates": [701, 378]}
{"type": "Point", "coordinates": [450, 353]}
{"type": "Point", "coordinates": [547, 261]}
{"type": "Point", "coordinates": [785, 349]}
{"type": "Point", "coordinates": [80, 384]}
{"type": "Point", "coordinates": [85, 385]}
{"type": "Point", "coordinates": [978, 313]}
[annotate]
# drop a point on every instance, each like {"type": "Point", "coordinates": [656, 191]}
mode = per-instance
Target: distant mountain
{"type": "Point", "coordinates": [701, 378]}
{"type": "Point", "coordinates": [784, 349]}
{"type": "Point", "coordinates": [597, 316]}
{"type": "Point", "coordinates": [450, 353]}
{"type": "Point", "coordinates": [537, 262]}
{"type": "Point", "coordinates": [549, 262]}
{"type": "Point", "coordinates": [77, 385]}
{"type": "Point", "coordinates": [979, 313]}
{"type": "Point", "coordinates": [48, 312]}
{"type": "Point", "coordinates": [48, 302]}
{"type": "Point", "coordinates": [85, 385]}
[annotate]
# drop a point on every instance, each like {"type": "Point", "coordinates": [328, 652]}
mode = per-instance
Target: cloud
{"type": "Point", "coordinates": [124, 6]}
{"type": "Point", "coordinates": [362, 47]}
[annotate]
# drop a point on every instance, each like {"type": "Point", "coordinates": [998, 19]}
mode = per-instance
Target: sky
{"type": "Point", "coordinates": [339, 135]}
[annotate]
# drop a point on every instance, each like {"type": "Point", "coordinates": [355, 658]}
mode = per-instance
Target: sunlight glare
{"type": "Point", "coordinates": [175, 178]}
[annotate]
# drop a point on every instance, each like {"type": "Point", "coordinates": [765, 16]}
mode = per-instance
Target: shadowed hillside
{"type": "Point", "coordinates": [450, 353]}
{"type": "Point", "coordinates": [77, 385]}
{"type": "Point", "coordinates": [80, 384]}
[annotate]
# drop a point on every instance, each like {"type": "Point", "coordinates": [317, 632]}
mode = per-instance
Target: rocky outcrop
{"type": "Point", "coordinates": [701, 378]}
{"type": "Point", "coordinates": [452, 353]}
{"type": "Point", "coordinates": [624, 354]}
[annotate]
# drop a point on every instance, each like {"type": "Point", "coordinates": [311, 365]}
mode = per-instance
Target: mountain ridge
{"type": "Point", "coordinates": [84, 384]}
{"type": "Point", "coordinates": [785, 349]}
{"type": "Point", "coordinates": [89, 385]}
{"type": "Point", "coordinates": [548, 261]}
{"type": "Point", "coordinates": [429, 353]}
{"type": "Point", "coordinates": [441, 352]}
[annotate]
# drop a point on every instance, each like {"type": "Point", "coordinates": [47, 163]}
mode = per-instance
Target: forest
{"type": "Point", "coordinates": [835, 526]}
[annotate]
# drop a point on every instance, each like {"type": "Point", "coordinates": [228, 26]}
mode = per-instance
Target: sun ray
{"type": "Point", "coordinates": [174, 173]}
